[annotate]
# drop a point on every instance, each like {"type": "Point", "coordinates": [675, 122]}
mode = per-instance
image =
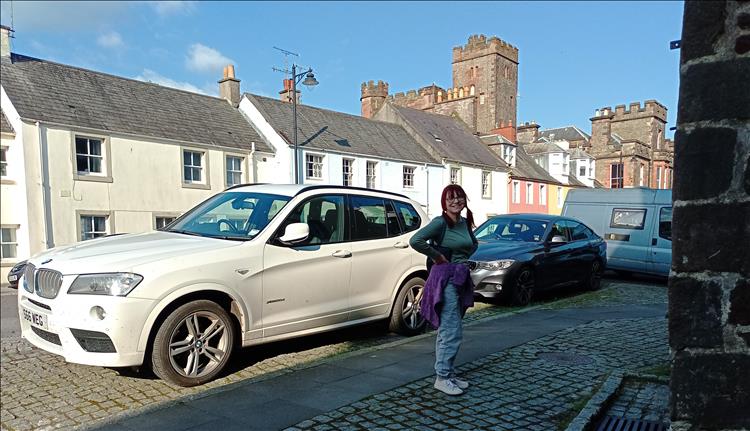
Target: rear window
{"type": "Point", "coordinates": [628, 218]}
{"type": "Point", "coordinates": [407, 216]}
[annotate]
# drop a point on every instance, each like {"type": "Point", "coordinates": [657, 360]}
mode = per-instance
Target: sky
{"type": "Point", "coordinates": [574, 57]}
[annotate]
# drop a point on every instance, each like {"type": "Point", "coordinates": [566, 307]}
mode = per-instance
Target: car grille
{"type": "Point", "coordinates": [45, 282]}
{"type": "Point", "coordinates": [92, 341]}
{"type": "Point", "coordinates": [47, 336]}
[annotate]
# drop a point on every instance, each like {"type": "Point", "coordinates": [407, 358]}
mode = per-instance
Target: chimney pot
{"type": "Point", "coordinates": [230, 71]}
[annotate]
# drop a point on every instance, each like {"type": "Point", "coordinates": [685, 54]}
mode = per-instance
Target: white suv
{"type": "Point", "coordinates": [250, 265]}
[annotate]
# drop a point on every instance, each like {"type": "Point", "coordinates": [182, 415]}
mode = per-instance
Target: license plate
{"type": "Point", "coordinates": [12, 277]}
{"type": "Point", "coordinates": [37, 319]}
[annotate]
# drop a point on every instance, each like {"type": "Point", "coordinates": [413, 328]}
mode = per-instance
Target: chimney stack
{"type": "Point", "coordinates": [229, 86]}
{"type": "Point", "coordinates": [286, 94]}
{"type": "Point", "coordinates": [5, 36]}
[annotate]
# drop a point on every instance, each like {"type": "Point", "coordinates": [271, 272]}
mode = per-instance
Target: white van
{"type": "Point", "coordinates": [636, 223]}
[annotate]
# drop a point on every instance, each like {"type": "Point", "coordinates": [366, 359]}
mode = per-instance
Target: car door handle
{"type": "Point", "coordinates": [342, 253]}
{"type": "Point", "coordinates": [400, 244]}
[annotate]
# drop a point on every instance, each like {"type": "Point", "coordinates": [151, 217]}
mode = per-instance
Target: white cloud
{"type": "Point", "coordinates": [149, 75]}
{"type": "Point", "coordinates": [164, 8]}
{"type": "Point", "coordinates": [110, 40]}
{"type": "Point", "coordinates": [204, 59]}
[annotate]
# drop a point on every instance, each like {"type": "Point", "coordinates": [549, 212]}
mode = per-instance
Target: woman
{"type": "Point", "coordinates": [448, 290]}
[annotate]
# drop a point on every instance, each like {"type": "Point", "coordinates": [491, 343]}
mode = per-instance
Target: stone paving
{"type": "Point", "coordinates": [40, 391]}
{"type": "Point", "coordinates": [539, 385]}
{"type": "Point", "coordinates": [641, 399]}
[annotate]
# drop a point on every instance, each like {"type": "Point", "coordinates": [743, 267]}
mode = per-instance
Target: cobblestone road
{"type": "Point", "coordinates": [39, 390]}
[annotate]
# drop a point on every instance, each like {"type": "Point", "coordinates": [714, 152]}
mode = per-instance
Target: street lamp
{"type": "Point", "coordinates": [309, 81]}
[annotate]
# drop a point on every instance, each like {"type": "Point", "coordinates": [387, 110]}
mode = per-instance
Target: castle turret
{"type": "Point", "coordinates": [601, 129]}
{"type": "Point", "coordinates": [373, 97]}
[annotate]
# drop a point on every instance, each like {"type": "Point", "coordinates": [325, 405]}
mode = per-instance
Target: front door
{"type": "Point", "coordinates": [305, 285]}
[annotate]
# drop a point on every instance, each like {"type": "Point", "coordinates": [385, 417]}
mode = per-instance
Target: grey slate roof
{"type": "Point", "coordinates": [574, 181]}
{"type": "Point", "coordinates": [568, 133]}
{"type": "Point", "coordinates": [577, 153]}
{"type": "Point", "coordinates": [336, 131]}
{"type": "Point", "coordinates": [5, 125]}
{"type": "Point", "coordinates": [543, 148]}
{"type": "Point", "coordinates": [450, 138]}
{"type": "Point", "coordinates": [45, 91]}
{"type": "Point", "coordinates": [526, 167]}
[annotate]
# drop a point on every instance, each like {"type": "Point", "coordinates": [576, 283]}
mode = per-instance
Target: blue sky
{"type": "Point", "coordinates": [574, 57]}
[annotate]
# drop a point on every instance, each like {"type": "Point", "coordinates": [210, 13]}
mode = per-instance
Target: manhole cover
{"type": "Point", "coordinates": [565, 358]}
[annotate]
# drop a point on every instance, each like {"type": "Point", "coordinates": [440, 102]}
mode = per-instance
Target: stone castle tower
{"type": "Point", "coordinates": [485, 84]}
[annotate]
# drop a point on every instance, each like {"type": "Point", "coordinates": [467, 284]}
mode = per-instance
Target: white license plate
{"type": "Point", "coordinates": [37, 319]}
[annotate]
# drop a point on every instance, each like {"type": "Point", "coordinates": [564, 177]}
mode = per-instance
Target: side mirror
{"type": "Point", "coordinates": [557, 239]}
{"type": "Point", "coordinates": [294, 233]}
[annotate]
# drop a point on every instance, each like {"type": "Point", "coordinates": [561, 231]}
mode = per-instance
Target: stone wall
{"type": "Point", "coordinates": [709, 291]}
{"type": "Point", "coordinates": [464, 108]}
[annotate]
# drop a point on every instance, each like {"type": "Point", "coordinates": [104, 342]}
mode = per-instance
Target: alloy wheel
{"type": "Point", "coordinates": [198, 344]}
{"type": "Point", "coordinates": [524, 287]}
{"type": "Point", "coordinates": [411, 312]}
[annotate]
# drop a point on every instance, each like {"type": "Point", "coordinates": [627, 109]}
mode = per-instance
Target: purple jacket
{"type": "Point", "coordinates": [440, 276]}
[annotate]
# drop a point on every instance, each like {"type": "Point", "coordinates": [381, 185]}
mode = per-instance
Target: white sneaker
{"type": "Point", "coordinates": [462, 384]}
{"type": "Point", "coordinates": [447, 386]}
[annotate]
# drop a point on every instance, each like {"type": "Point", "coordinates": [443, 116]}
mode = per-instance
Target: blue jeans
{"type": "Point", "coordinates": [449, 334]}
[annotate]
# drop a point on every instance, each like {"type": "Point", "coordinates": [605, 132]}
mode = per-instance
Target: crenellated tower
{"type": "Point", "coordinates": [373, 97]}
{"type": "Point", "coordinates": [488, 68]}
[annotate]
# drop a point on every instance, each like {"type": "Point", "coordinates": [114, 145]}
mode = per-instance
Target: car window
{"type": "Point", "coordinates": [560, 228]}
{"type": "Point", "coordinates": [578, 231]}
{"type": "Point", "coordinates": [392, 219]}
{"type": "Point", "coordinates": [665, 223]}
{"type": "Point", "coordinates": [628, 218]}
{"type": "Point", "coordinates": [324, 216]}
{"type": "Point", "coordinates": [368, 218]}
{"type": "Point", "coordinates": [510, 229]}
{"type": "Point", "coordinates": [408, 216]}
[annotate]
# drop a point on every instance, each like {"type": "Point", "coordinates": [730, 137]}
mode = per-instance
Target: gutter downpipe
{"type": "Point", "coordinates": [49, 237]}
{"type": "Point", "coordinates": [252, 162]}
{"type": "Point", "coordinates": [427, 175]}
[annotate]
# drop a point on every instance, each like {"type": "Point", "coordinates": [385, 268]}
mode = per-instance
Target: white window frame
{"type": "Point", "coordinates": [314, 166]}
{"type": "Point", "coordinates": [455, 175]}
{"type": "Point", "coordinates": [164, 215]}
{"type": "Point", "coordinates": [12, 242]}
{"type": "Point", "coordinates": [658, 177]}
{"type": "Point", "coordinates": [408, 173]}
{"type": "Point", "coordinates": [242, 171]}
{"type": "Point", "coordinates": [612, 177]}
{"type": "Point", "coordinates": [109, 223]}
{"type": "Point", "coordinates": [372, 174]}
{"type": "Point", "coordinates": [3, 162]}
{"type": "Point", "coordinates": [486, 184]}
{"type": "Point", "coordinates": [347, 172]}
{"type": "Point", "coordinates": [542, 194]}
{"type": "Point", "coordinates": [105, 159]}
{"type": "Point", "coordinates": [529, 193]}
{"type": "Point", "coordinates": [204, 181]}
{"type": "Point", "coordinates": [642, 175]}
{"type": "Point", "coordinates": [516, 192]}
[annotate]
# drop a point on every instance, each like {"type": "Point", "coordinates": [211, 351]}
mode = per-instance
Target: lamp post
{"type": "Point", "coordinates": [309, 81]}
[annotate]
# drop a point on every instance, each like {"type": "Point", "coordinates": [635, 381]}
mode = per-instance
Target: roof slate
{"type": "Point", "coordinates": [5, 125]}
{"type": "Point", "coordinates": [323, 129]}
{"type": "Point", "coordinates": [525, 167]}
{"type": "Point", "coordinates": [568, 133]}
{"type": "Point", "coordinates": [543, 148]}
{"type": "Point", "coordinates": [450, 138]}
{"type": "Point", "coordinates": [45, 91]}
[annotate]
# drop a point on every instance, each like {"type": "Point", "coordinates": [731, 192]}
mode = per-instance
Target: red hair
{"type": "Point", "coordinates": [453, 191]}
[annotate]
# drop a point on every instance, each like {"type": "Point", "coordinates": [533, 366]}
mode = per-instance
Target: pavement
{"type": "Point", "coordinates": [527, 372]}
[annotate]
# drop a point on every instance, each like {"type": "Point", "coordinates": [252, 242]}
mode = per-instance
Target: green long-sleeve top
{"type": "Point", "coordinates": [457, 238]}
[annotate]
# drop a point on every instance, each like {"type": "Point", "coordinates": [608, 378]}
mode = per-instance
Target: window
{"type": "Point", "coordinates": [582, 170]}
{"type": "Point", "coordinates": [408, 216]}
{"type": "Point", "coordinates": [642, 171]}
{"type": "Point", "coordinates": [529, 193]}
{"type": "Point", "coordinates": [455, 175]}
{"type": "Point", "coordinates": [371, 167]}
{"type": "Point", "coordinates": [658, 177]}
{"type": "Point", "coordinates": [8, 244]}
{"type": "Point", "coordinates": [408, 176]}
{"type": "Point", "coordinates": [324, 216]}
{"type": "Point", "coordinates": [192, 166]}
{"type": "Point", "coordinates": [615, 175]}
{"type": "Point", "coordinates": [628, 218]}
{"type": "Point", "coordinates": [368, 218]}
{"type": "Point", "coordinates": [3, 162]}
{"type": "Point", "coordinates": [481, 98]}
{"type": "Point", "coordinates": [509, 154]}
{"type": "Point", "coordinates": [516, 193]}
{"type": "Point", "coordinates": [460, 93]}
{"type": "Point", "coordinates": [234, 170]}
{"type": "Point", "coordinates": [346, 171]}
{"type": "Point", "coordinates": [665, 223]}
{"type": "Point", "coordinates": [542, 194]}
{"type": "Point", "coordinates": [93, 226]}
{"type": "Point", "coordinates": [160, 222]}
{"type": "Point", "coordinates": [559, 196]}
{"type": "Point", "coordinates": [471, 90]}
{"type": "Point", "coordinates": [580, 232]}
{"type": "Point", "coordinates": [505, 72]}
{"type": "Point", "coordinates": [89, 156]}
{"type": "Point", "coordinates": [314, 166]}
{"type": "Point", "coordinates": [486, 185]}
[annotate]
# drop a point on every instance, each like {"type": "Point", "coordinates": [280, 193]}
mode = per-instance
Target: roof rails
{"type": "Point", "coordinates": [243, 185]}
{"type": "Point", "coordinates": [314, 187]}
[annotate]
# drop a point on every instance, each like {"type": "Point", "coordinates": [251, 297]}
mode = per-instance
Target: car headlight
{"type": "Point", "coordinates": [494, 265]}
{"type": "Point", "coordinates": [115, 284]}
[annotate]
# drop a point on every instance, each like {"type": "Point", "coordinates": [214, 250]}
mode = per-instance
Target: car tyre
{"type": "Point", "coordinates": [594, 279]}
{"type": "Point", "coordinates": [523, 288]}
{"type": "Point", "coordinates": [406, 318]}
{"type": "Point", "coordinates": [193, 344]}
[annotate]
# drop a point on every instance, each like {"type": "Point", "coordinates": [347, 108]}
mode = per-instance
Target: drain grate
{"type": "Point", "coordinates": [565, 358]}
{"type": "Point", "coordinates": [612, 423]}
